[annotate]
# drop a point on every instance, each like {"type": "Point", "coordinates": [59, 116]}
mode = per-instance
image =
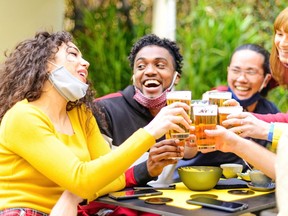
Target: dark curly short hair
{"type": "Point", "coordinates": [152, 39]}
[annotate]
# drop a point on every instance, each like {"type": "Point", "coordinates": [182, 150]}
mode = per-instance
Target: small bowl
{"type": "Point", "coordinates": [259, 179]}
{"type": "Point", "coordinates": [200, 178]}
{"type": "Point", "coordinates": [230, 170]}
{"type": "Point", "coordinates": [245, 176]}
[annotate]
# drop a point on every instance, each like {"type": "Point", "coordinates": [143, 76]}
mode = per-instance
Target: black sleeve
{"type": "Point", "coordinates": [141, 174]}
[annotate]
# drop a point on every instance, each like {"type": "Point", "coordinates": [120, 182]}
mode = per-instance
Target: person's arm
{"type": "Point", "coordinates": [228, 141]}
{"type": "Point", "coordinates": [282, 175]}
{"type": "Point", "coordinates": [47, 154]}
{"type": "Point", "coordinates": [246, 124]}
{"type": "Point", "coordinates": [275, 133]}
{"type": "Point", "coordinates": [66, 205]}
{"type": "Point", "coordinates": [278, 117]}
{"type": "Point", "coordinates": [160, 155]}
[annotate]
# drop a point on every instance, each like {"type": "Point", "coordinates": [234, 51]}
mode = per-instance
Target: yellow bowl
{"type": "Point", "coordinates": [200, 178]}
{"type": "Point", "coordinates": [230, 170]}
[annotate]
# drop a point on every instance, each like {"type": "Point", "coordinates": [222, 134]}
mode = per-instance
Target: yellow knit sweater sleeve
{"type": "Point", "coordinates": [37, 163]}
{"type": "Point", "coordinates": [277, 133]}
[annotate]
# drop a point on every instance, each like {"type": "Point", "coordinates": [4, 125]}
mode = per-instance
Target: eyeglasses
{"type": "Point", "coordinates": [236, 72]}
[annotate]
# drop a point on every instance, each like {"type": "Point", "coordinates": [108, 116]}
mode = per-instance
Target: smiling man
{"type": "Point", "coordinates": [157, 66]}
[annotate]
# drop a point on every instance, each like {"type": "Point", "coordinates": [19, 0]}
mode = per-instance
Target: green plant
{"type": "Point", "coordinates": [105, 34]}
{"type": "Point", "coordinates": [207, 32]}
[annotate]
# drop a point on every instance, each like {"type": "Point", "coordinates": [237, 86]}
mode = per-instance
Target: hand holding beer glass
{"type": "Point", "coordinates": [224, 111]}
{"type": "Point", "coordinates": [185, 97]}
{"type": "Point", "coordinates": [205, 117]}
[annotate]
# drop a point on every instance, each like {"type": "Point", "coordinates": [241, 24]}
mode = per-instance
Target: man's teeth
{"type": "Point", "coordinates": [151, 82]}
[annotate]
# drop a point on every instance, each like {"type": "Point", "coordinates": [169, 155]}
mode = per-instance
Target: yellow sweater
{"type": "Point", "coordinates": [37, 163]}
{"type": "Point", "coordinates": [279, 128]}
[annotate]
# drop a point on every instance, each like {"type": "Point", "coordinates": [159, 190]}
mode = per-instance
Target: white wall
{"type": "Point", "coordinates": [164, 18]}
{"type": "Point", "coordinates": [20, 19]}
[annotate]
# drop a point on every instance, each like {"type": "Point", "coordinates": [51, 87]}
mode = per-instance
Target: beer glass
{"type": "Point", "coordinates": [217, 97]}
{"type": "Point", "coordinates": [179, 96]}
{"type": "Point", "coordinates": [197, 103]}
{"type": "Point", "coordinates": [205, 117]}
{"type": "Point", "coordinates": [224, 111]}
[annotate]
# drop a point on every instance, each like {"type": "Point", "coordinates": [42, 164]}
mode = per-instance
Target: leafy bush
{"type": "Point", "coordinates": [105, 34]}
{"type": "Point", "coordinates": [207, 32]}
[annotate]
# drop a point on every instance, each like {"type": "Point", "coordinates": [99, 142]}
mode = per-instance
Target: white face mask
{"type": "Point", "coordinates": [66, 84]}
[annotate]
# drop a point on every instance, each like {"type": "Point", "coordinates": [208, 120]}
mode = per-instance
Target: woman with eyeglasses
{"type": "Point", "coordinates": [50, 144]}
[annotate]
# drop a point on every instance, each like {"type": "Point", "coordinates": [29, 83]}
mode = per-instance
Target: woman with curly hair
{"type": "Point", "coordinates": [49, 139]}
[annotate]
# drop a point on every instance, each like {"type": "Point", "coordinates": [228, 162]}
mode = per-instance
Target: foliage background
{"type": "Point", "coordinates": [207, 33]}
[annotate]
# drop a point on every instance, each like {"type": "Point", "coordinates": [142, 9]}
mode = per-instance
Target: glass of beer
{"type": "Point", "coordinates": [217, 97]}
{"type": "Point", "coordinates": [205, 117]}
{"type": "Point", "coordinates": [224, 111]}
{"type": "Point", "coordinates": [197, 103]}
{"type": "Point", "coordinates": [179, 96]}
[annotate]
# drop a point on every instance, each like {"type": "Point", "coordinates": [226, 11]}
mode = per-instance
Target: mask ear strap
{"type": "Point", "coordinates": [53, 64]}
{"type": "Point", "coordinates": [263, 83]}
{"type": "Point", "coordinates": [173, 80]}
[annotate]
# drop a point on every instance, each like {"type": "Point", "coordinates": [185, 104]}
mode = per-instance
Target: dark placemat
{"type": "Point", "coordinates": [231, 183]}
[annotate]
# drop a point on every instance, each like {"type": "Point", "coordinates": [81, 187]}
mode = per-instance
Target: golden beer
{"type": "Point", "coordinates": [196, 103]}
{"type": "Point", "coordinates": [218, 98]}
{"type": "Point", "coordinates": [184, 97]}
{"type": "Point", "coordinates": [223, 112]}
{"type": "Point", "coordinates": [205, 117]}
{"type": "Point", "coordinates": [222, 117]}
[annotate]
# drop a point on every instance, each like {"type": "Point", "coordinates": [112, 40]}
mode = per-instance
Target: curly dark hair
{"type": "Point", "coordinates": [23, 73]}
{"type": "Point", "coordinates": [152, 39]}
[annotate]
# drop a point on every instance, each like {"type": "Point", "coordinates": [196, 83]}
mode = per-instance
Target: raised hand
{"type": "Point", "coordinates": [245, 124]}
{"type": "Point", "coordinates": [161, 154]}
{"type": "Point", "coordinates": [169, 118]}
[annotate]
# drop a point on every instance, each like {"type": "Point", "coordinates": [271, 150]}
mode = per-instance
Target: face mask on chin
{"type": "Point", "coordinates": [154, 103]}
{"type": "Point", "coordinates": [66, 84]}
{"type": "Point", "coordinates": [246, 102]}
{"type": "Point", "coordinates": [249, 101]}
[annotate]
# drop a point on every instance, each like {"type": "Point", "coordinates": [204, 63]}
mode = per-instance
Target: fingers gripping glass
{"type": "Point", "coordinates": [237, 72]}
